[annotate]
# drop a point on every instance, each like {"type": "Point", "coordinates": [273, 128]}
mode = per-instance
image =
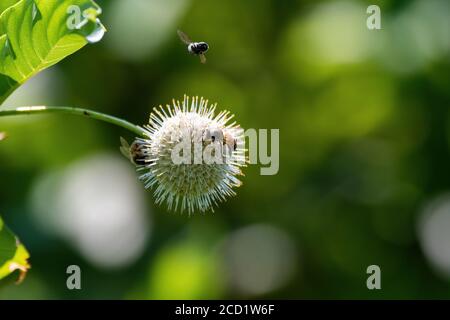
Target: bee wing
{"type": "Point", "coordinates": [202, 58]}
{"type": "Point", "coordinates": [184, 37]}
{"type": "Point", "coordinates": [125, 148]}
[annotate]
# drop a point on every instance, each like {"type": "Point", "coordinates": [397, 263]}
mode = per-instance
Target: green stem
{"type": "Point", "coordinates": [75, 111]}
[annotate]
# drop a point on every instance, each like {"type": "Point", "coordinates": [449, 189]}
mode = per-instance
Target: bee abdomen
{"type": "Point", "coordinates": [197, 48]}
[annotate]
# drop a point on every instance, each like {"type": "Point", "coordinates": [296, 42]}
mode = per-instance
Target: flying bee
{"type": "Point", "coordinates": [135, 153]}
{"type": "Point", "coordinates": [197, 48]}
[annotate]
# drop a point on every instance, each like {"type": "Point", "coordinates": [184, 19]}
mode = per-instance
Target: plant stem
{"type": "Point", "coordinates": [75, 111]}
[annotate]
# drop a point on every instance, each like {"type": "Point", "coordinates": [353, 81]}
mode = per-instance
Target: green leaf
{"type": "Point", "coordinates": [13, 255]}
{"type": "Point", "coordinates": [5, 4]}
{"type": "Point", "coordinates": [36, 34]}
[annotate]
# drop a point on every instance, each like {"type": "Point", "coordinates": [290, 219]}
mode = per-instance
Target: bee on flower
{"type": "Point", "coordinates": [191, 157]}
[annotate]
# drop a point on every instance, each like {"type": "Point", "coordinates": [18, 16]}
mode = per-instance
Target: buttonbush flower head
{"type": "Point", "coordinates": [190, 157]}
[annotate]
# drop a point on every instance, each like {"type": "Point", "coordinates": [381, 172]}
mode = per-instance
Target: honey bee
{"type": "Point", "coordinates": [197, 48]}
{"type": "Point", "coordinates": [135, 153]}
{"type": "Point", "coordinates": [230, 141]}
{"type": "Point", "coordinates": [213, 135]}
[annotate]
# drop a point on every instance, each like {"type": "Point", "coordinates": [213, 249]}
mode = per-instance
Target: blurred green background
{"type": "Point", "coordinates": [364, 155]}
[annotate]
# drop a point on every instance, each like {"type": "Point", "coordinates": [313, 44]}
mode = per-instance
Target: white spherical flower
{"type": "Point", "coordinates": [190, 157]}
